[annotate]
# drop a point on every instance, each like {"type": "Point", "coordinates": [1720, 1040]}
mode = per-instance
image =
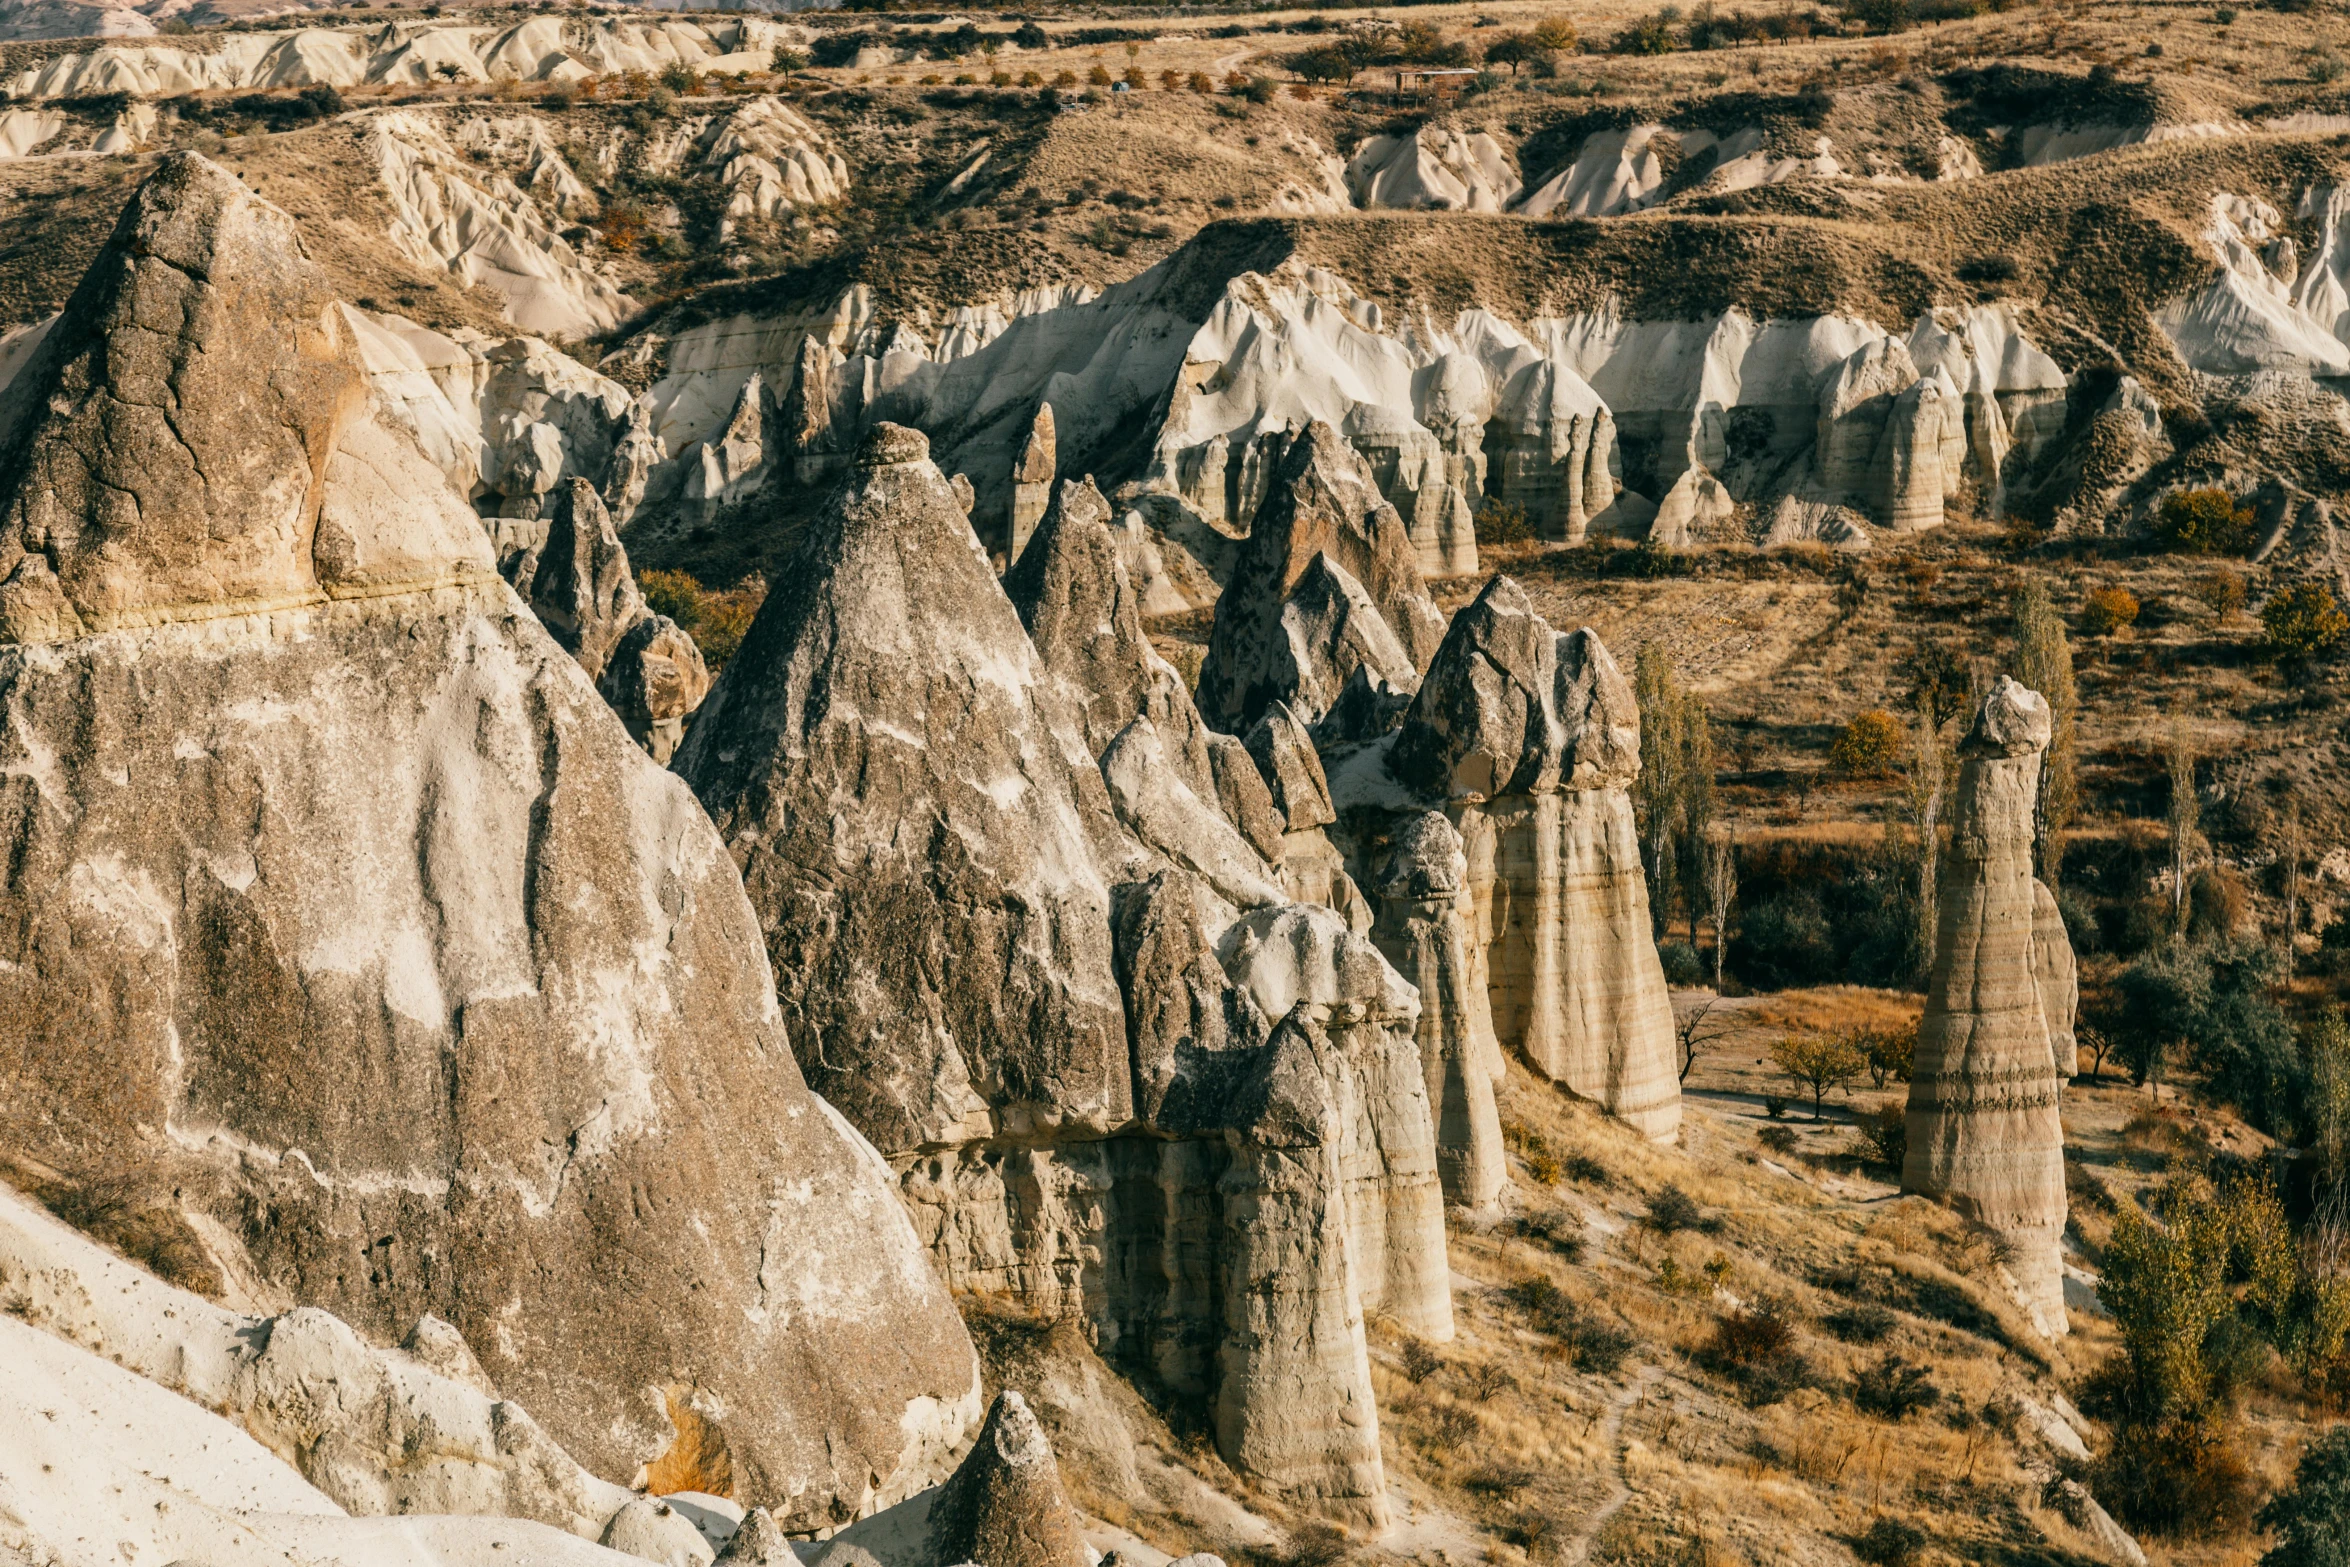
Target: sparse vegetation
{"type": "Point", "coordinates": [1869, 747]}
{"type": "Point", "coordinates": [2202, 522]}
{"type": "Point", "coordinates": [717, 620]}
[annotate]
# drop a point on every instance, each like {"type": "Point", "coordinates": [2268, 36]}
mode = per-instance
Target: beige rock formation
{"type": "Point", "coordinates": [579, 584]}
{"type": "Point", "coordinates": [1528, 740]}
{"type": "Point", "coordinates": [2058, 976]}
{"type": "Point", "coordinates": [656, 677]}
{"type": "Point", "coordinates": [1321, 503]}
{"type": "Point", "coordinates": [1004, 1504]}
{"type": "Point", "coordinates": [1983, 1128]}
{"type": "Point", "coordinates": [1032, 480]}
{"type": "Point", "coordinates": [1027, 934]}
{"type": "Point", "coordinates": [378, 1431]}
{"type": "Point", "coordinates": [1424, 931]}
{"type": "Point", "coordinates": [340, 903]}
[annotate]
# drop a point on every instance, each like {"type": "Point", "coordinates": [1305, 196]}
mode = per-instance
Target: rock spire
{"type": "Point", "coordinates": [1984, 1133]}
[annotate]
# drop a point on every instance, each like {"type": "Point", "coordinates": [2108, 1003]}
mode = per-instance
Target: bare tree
{"type": "Point", "coordinates": [1721, 888]}
{"type": "Point", "coordinates": [2094, 1040]}
{"type": "Point", "coordinates": [2185, 811]}
{"type": "Point", "coordinates": [1695, 1033]}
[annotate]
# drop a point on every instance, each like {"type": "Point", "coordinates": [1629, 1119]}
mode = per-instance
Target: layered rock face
{"type": "Point", "coordinates": [1028, 935]}
{"type": "Point", "coordinates": [1983, 1126]}
{"type": "Point", "coordinates": [1292, 628]}
{"type": "Point", "coordinates": [337, 899]}
{"type": "Point", "coordinates": [1527, 740]}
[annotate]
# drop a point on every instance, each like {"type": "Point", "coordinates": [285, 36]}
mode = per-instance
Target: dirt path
{"type": "Point", "coordinates": [1578, 1549]}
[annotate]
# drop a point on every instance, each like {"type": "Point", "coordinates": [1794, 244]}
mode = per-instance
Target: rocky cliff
{"type": "Point", "coordinates": [1021, 941]}
{"type": "Point", "coordinates": [339, 902]}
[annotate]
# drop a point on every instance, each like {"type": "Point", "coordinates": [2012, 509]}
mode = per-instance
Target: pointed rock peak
{"type": "Point", "coordinates": [1599, 718]}
{"type": "Point", "coordinates": [2013, 721]}
{"type": "Point", "coordinates": [1285, 1102]}
{"type": "Point", "coordinates": [1038, 456]}
{"type": "Point", "coordinates": [1072, 551]}
{"type": "Point", "coordinates": [195, 435]}
{"type": "Point", "coordinates": [760, 1542]}
{"type": "Point", "coordinates": [1004, 1505]}
{"type": "Point", "coordinates": [1481, 724]}
{"type": "Point", "coordinates": [1292, 768]}
{"type": "Point", "coordinates": [581, 588]}
{"type": "Point", "coordinates": [889, 445]}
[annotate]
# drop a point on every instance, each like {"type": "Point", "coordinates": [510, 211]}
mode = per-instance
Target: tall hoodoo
{"type": "Point", "coordinates": [1983, 1127]}
{"type": "Point", "coordinates": [1424, 930]}
{"type": "Point", "coordinates": [1528, 741]}
{"type": "Point", "coordinates": [1036, 955]}
{"type": "Point", "coordinates": [337, 897]}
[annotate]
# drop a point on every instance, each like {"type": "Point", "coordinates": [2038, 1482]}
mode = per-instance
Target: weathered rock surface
{"type": "Point", "coordinates": [1423, 929]}
{"type": "Point", "coordinates": [377, 1431]}
{"type": "Point", "coordinates": [580, 585]}
{"type": "Point", "coordinates": [971, 804]}
{"type": "Point", "coordinates": [655, 678]}
{"type": "Point", "coordinates": [2058, 975]}
{"type": "Point", "coordinates": [1004, 1505]}
{"type": "Point", "coordinates": [1032, 480]}
{"type": "Point", "coordinates": [1528, 741]}
{"type": "Point", "coordinates": [338, 898]}
{"type": "Point", "coordinates": [1323, 517]}
{"type": "Point", "coordinates": [883, 733]}
{"type": "Point", "coordinates": [1983, 1128]}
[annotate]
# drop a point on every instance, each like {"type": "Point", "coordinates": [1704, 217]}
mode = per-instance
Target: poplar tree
{"type": "Point", "coordinates": [2044, 662]}
{"type": "Point", "coordinates": [1659, 794]}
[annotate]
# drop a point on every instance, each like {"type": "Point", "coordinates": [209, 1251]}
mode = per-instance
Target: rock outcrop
{"type": "Point", "coordinates": [338, 900]}
{"type": "Point", "coordinates": [2058, 976]}
{"type": "Point", "coordinates": [1022, 938]}
{"type": "Point", "coordinates": [1004, 1505]}
{"type": "Point", "coordinates": [1528, 740]}
{"type": "Point", "coordinates": [1983, 1128]}
{"type": "Point", "coordinates": [572, 568]}
{"type": "Point", "coordinates": [1326, 547]}
{"type": "Point", "coordinates": [1032, 481]}
{"type": "Point", "coordinates": [377, 1431]}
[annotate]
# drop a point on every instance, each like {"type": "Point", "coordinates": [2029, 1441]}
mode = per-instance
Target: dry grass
{"type": "Point", "coordinates": [1831, 1007]}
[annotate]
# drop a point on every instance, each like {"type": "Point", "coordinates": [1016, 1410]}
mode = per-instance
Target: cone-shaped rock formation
{"type": "Point", "coordinates": [336, 895]}
{"type": "Point", "coordinates": [1042, 962]}
{"type": "Point", "coordinates": [1983, 1128]}
{"type": "Point", "coordinates": [1004, 1505]}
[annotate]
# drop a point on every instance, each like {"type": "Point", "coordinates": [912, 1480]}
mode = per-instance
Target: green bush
{"type": "Point", "coordinates": [2302, 622]}
{"type": "Point", "coordinates": [2202, 522]}
{"type": "Point", "coordinates": [1889, 1542]}
{"type": "Point", "coordinates": [1648, 36]}
{"type": "Point", "coordinates": [1681, 963]}
{"type": "Point", "coordinates": [1893, 1389]}
{"type": "Point", "coordinates": [717, 621]}
{"type": "Point", "coordinates": [2216, 999]}
{"type": "Point", "coordinates": [1503, 522]}
{"type": "Point", "coordinates": [2311, 1517]}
